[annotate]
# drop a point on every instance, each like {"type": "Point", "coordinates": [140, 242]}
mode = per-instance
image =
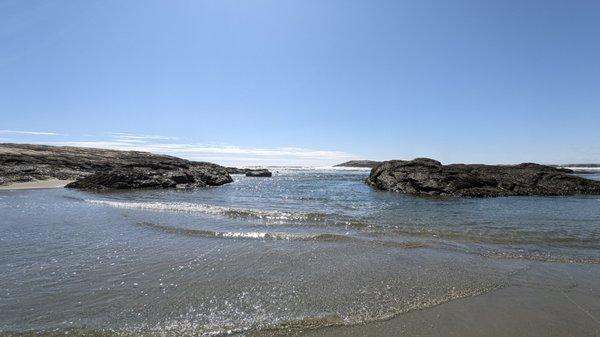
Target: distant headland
{"type": "Point", "coordinates": [359, 163]}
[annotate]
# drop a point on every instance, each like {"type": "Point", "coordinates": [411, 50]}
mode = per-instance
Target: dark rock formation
{"type": "Point", "coordinates": [359, 163]}
{"type": "Point", "coordinates": [424, 176]}
{"type": "Point", "coordinates": [135, 177]}
{"type": "Point", "coordinates": [235, 170]}
{"type": "Point", "coordinates": [259, 173]}
{"type": "Point", "coordinates": [100, 169]}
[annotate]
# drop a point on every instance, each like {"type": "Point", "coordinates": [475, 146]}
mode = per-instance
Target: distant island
{"type": "Point", "coordinates": [248, 172]}
{"type": "Point", "coordinates": [359, 163]}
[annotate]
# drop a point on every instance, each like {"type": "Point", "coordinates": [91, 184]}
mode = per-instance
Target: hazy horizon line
{"type": "Point", "coordinates": [222, 153]}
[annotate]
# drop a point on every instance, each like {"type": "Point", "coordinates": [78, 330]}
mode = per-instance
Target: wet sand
{"type": "Point", "coordinates": [513, 311]}
{"type": "Point", "coordinates": [50, 183]}
{"type": "Point", "coordinates": [568, 304]}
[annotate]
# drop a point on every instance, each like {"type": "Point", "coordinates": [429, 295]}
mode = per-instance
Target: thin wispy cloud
{"type": "Point", "coordinates": [210, 149]}
{"type": "Point", "coordinates": [212, 152]}
{"type": "Point", "coordinates": [131, 136]}
{"type": "Point", "coordinates": [31, 133]}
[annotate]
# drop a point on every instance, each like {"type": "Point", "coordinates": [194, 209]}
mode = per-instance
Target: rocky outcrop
{"type": "Point", "coordinates": [259, 173]}
{"type": "Point", "coordinates": [359, 163]}
{"type": "Point", "coordinates": [235, 170]}
{"type": "Point", "coordinates": [101, 169]}
{"type": "Point", "coordinates": [424, 176]}
{"type": "Point", "coordinates": [136, 177]}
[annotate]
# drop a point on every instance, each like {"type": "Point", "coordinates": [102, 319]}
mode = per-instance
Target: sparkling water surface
{"type": "Point", "coordinates": [305, 248]}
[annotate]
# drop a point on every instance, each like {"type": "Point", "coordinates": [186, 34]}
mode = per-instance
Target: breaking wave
{"type": "Point", "coordinates": [245, 235]}
{"type": "Point", "coordinates": [212, 209]}
{"type": "Point", "coordinates": [322, 237]}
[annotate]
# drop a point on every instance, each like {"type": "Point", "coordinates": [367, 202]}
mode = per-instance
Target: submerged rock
{"type": "Point", "coordinates": [423, 176]}
{"type": "Point", "coordinates": [259, 173]}
{"type": "Point", "coordinates": [102, 169]}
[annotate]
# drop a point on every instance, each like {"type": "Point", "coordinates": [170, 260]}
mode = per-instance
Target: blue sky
{"type": "Point", "coordinates": [306, 82]}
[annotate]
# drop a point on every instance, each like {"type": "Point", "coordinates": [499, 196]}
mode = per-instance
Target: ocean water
{"type": "Point", "coordinates": [304, 249]}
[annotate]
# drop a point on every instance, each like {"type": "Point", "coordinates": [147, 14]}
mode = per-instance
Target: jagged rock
{"type": "Point", "coordinates": [130, 178]}
{"type": "Point", "coordinates": [423, 176]}
{"type": "Point", "coordinates": [210, 174]}
{"type": "Point", "coordinates": [259, 173]}
{"type": "Point", "coordinates": [235, 170]}
{"type": "Point", "coordinates": [359, 163]}
{"type": "Point", "coordinates": [100, 168]}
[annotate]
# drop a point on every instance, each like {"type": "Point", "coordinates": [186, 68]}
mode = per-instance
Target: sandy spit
{"type": "Point", "coordinates": [50, 183]}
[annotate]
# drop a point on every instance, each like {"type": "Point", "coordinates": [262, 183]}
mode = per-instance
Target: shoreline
{"type": "Point", "coordinates": [520, 309]}
{"type": "Point", "coordinates": [36, 184]}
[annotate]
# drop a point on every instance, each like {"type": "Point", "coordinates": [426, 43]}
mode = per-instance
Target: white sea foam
{"type": "Point", "coordinates": [249, 235]}
{"type": "Point", "coordinates": [583, 168]}
{"type": "Point", "coordinates": [209, 209]}
{"type": "Point", "coordinates": [321, 168]}
{"type": "Point", "coordinates": [244, 235]}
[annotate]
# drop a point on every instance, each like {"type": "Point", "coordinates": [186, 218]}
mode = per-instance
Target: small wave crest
{"type": "Point", "coordinates": [246, 235]}
{"type": "Point", "coordinates": [213, 209]}
{"type": "Point", "coordinates": [400, 232]}
{"type": "Point", "coordinates": [320, 237]}
{"type": "Point", "coordinates": [498, 236]}
{"type": "Point", "coordinates": [541, 256]}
